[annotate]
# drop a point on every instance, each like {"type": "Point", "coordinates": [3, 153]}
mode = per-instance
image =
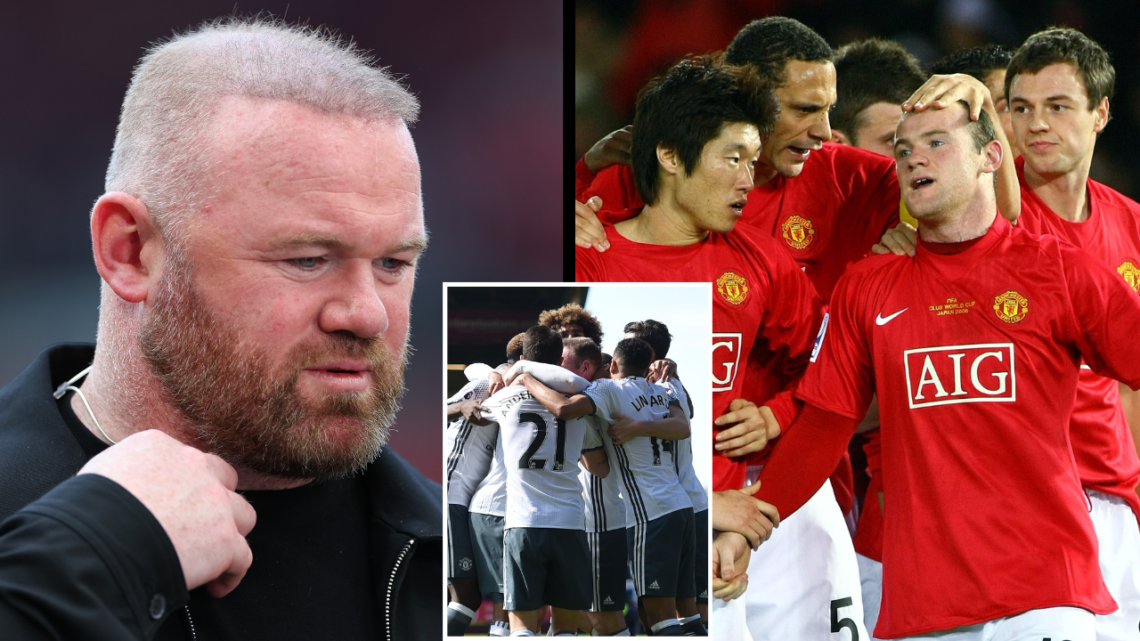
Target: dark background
{"type": "Point", "coordinates": [621, 44]}
{"type": "Point", "coordinates": [489, 77]}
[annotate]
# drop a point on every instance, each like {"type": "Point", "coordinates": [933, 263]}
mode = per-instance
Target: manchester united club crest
{"type": "Point", "coordinates": [1011, 307]}
{"type": "Point", "coordinates": [732, 287]}
{"type": "Point", "coordinates": [798, 232]}
{"type": "Point", "coordinates": [1131, 275]}
{"type": "Point", "coordinates": [466, 564]}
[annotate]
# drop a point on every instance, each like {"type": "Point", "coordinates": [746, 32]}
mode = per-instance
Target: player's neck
{"type": "Point", "coordinates": [973, 221]}
{"type": "Point", "coordinates": [1065, 193]}
{"type": "Point", "coordinates": [764, 172]}
{"type": "Point", "coordinates": [662, 223]}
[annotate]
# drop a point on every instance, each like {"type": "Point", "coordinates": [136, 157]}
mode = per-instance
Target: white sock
{"type": "Point", "coordinates": [500, 629]}
{"type": "Point", "coordinates": [459, 607]}
{"type": "Point", "coordinates": [695, 617]}
{"type": "Point", "coordinates": [664, 624]}
{"type": "Point", "coordinates": [522, 633]}
{"type": "Point", "coordinates": [623, 633]}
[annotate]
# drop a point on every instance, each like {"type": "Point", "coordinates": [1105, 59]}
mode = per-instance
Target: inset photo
{"type": "Point", "coordinates": [577, 458]}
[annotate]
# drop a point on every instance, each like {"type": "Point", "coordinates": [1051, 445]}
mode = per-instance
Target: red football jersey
{"type": "Point", "coordinates": [750, 273]}
{"type": "Point", "coordinates": [1102, 443]}
{"type": "Point", "coordinates": [985, 516]}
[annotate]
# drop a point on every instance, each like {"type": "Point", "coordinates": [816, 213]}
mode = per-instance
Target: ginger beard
{"type": "Point", "coordinates": [249, 413]}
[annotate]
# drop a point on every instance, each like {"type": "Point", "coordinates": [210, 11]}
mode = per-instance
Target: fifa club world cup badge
{"type": "Point", "coordinates": [1011, 307]}
{"type": "Point", "coordinates": [1131, 275]}
{"type": "Point", "coordinates": [732, 287]}
{"type": "Point", "coordinates": [798, 232]}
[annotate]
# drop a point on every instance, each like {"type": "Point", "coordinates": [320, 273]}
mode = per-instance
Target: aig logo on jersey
{"type": "Point", "coordinates": [726, 360]}
{"type": "Point", "coordinates": [981, 373]}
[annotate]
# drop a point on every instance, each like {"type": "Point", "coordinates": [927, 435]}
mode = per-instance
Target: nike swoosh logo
{"type": "Point", "coordinates": [879, 320]}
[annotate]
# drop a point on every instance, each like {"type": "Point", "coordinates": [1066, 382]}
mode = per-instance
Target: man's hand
{"type": "Point", "coordinates": [752, 428]}
{"type": "Point", "coordinates": [588, 231]}
{"type": "Point", "coordinates": [497, 383]}
{"type": "Point", "coordinates": [737, 511]}
{"type": "Point", "coordinates": [614, 149]}
{"type": "Point", "coordinates": [941, 91]}
{"type": "Point", "coordinates": [625, 430]}
{"type": "Point", "coordinates": [192, 496]}
{"type": "Point", "coordinates": [730, 553]}
{"type": "Point", "coordinates": [473, 412]}
{"type": "Point", "coordinates": [899, 240]}
{"type": "Point", "coordinates": [660, 371]}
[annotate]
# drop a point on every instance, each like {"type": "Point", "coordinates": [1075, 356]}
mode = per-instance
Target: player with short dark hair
{"type": "Point", "coordinates": [581, 354]}
{"type": "Point", "coordinates": [1060, 82]}
{"type": "Point", "coordinates": [873, 78]}
{"type": "Point", "coordinates": [998, 321]}
{"type": "Point", "coordinates": [571, 321]}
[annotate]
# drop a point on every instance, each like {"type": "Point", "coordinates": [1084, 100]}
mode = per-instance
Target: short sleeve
{"type": "Point", "coordinates": [592, 439]}
{"type": "Point", "coordinates": [1106, 312]}
{"type": "Point", "coordinates": [840, 377]}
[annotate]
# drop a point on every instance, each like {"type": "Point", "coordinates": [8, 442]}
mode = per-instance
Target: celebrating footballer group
{"type": "Point", "coordinates": [565, 467]}
{"type": "Point", "coordinates": [919, 259]}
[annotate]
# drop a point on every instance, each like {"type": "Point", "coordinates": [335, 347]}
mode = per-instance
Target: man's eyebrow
{"type": "Point", "coordinates": [925, 134]}
{"type": "Point", "coordinates": [1049, 99]}
{"type": "Point", "coordinates": [417, 243]}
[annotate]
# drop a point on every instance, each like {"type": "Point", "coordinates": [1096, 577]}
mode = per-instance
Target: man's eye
{"type": "Point", "coordinates": [734, 159]}
{"type": "Point", "coordinates": [308, 263]}
{"type": "Point", "coordinates": [394, 265]}
{"type": "Point", "coordinates": [1059, 107]}
{"type": "Point", "coordinates": [936, 143]}
{"type": "Point", "coordinates": [1020, 109]}
{"type": "Point", "coordinates": [902, 153]}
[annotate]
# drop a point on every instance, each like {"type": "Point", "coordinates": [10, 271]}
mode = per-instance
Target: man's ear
{"type": "Point", "coordinates": [129, 250]}
{"type": "Point", "coordinates": [993, 153]}
{"type": "Point", "coordinates": [668, 160]}
{"type": "Point", "coordinates": [1101, 115]}
{"type": "Point", "coordinates": [841, 138]}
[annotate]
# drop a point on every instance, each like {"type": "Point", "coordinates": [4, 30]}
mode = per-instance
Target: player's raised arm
{"type": "Point", "coordinates": [560, 406]}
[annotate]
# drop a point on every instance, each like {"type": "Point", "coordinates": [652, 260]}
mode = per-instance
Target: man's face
{"type": "Point", "coordinates": [280, 332]}
{"type": "Point", "coordinates": [937, 165]}
{"type": "Point", "coordinates": [995, 82]}
{"type": "Point", "coordinates": [571, 330]}
{"type": "Point", "coordinates": [713, 196]}
{"type": "Point", "coordinates": [805, 97]}
{"type": "Point", "coordinates": [875, 128]}
{"type": "Point", "coordinates": [583, 367]}
{"type": "Point", "coordinates": [1052, 121]}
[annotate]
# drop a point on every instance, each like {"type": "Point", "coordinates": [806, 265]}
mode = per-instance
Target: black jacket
{"type": "Point", "coordinates": [38, 452]}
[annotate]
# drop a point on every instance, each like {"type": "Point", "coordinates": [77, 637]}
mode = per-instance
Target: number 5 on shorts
{"type": "Point", "coordinates": [838, 624]}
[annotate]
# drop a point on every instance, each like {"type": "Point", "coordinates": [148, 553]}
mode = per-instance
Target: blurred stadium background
{"type": "Point", "coordinates": [621, 44]}
{"type": "Point", "coordinates": [489, 78]}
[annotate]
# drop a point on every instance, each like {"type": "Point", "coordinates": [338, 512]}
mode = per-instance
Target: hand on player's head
{"type": "Point", "coordinates": [940, 92]}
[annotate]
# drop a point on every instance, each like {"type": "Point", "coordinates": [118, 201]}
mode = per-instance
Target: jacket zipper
{"type": "Point", "coordinates": [193, 635]}
{"type": "Point", "coordinates": [392, 583]}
